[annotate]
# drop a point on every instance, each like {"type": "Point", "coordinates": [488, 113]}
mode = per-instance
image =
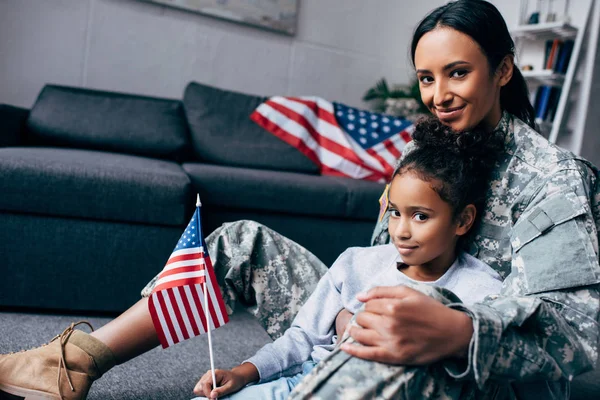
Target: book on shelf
{"type": "Point", "coordinates": [557, 55]}
{"type": "Point", "coordinates": [546, 101]}
{"type": "Point", "coordinates": [564, 56]}
{"type": "Point", "coordinates": [553, 47]}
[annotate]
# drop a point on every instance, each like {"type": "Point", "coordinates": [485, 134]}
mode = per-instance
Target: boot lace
{"type": "Point", "coordinates": [62, 365]}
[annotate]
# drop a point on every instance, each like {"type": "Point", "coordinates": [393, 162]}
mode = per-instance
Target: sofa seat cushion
{"type": "Point", "coordinates": [93, 185]}
{"type": "Point", "coordinates": [223, 133]}
{"type": "Point", "coordinates": [285, 192]}
{"type": "Point", "coordinates": [118, 122]}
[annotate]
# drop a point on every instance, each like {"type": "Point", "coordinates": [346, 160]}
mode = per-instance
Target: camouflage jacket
{"type": "Point", "coordinates": [539, 230]}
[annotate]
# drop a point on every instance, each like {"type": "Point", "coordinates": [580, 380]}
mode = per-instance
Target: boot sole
{"type": "Point", "coordinates": [12, 392]}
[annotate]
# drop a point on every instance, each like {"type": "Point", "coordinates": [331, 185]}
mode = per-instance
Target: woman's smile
{"type": "Point", "coordinates": [449, 114]}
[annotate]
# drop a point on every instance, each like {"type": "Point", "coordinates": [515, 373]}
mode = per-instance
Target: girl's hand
{"type": "Point", "coordinates": [341, 322]}
{"type": "Point", "coordinates": [403, 326]}
{"type": "Point", "coordinates": [228, 381]}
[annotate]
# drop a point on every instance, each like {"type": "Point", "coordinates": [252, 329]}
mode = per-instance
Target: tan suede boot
{"type": "Point", "coordinates": [63, 369]}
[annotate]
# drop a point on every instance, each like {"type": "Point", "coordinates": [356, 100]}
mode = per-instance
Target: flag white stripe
{"type": "Point", "coordinates": [190, 299]}
{"type": "Point", "coordinates": [186, 263]}
{"type": "Point", "coordinates": [213, 299]}
{"type": "Point", "coordinates": [389, 158]}
{"type": "Point", "coordinates": [172, 314]}
{"type": "Point", "coordinates": [184, 314]}
{"type": "Point", "coordinates": [161, 319]}
{"type": "Point", "coordinates": [183, 275]}
{"type": "Point", "coordinates": [209, 322]}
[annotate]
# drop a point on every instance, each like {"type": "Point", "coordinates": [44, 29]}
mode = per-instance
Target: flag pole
{"type": "Point", "coordinates": [210, 350]}
{"type": "Point", "coordinates": [208, 317]}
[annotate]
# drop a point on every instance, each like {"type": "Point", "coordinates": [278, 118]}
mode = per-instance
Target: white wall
{"type": "Point", "coordinates": [341, 48]}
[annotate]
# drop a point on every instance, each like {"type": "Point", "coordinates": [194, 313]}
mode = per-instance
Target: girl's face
{"type": "Point", "coordinates": [455, 81]}
{"type": "Point", "coordinates": [422, 225]}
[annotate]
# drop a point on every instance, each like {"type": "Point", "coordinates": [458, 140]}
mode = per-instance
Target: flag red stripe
{"type": "Point", "coordinates": [159, 332]}
{"type": "Point", "coordinates": [165, 311]}
{"type": "Point", "coordinates": [179, 270]}
{"type": "Point", "coordinates": [188, 310]}
{"type": "Point", "coordinates": [406, 136]}
{"type": "Point", "coordinates": [199, 308]}
{"type": "Point", "coordinates": [285, 136]}
{"type": "Point", "coordinates": [211, 308]}
{"type": "Point", "coordinates": [389, 145]}
{"type": "Point", "coordinates": [179, 282]}
{"type": "Point", "coordinates": [213, 281]}
{"type": "Point", "coordinates": [320, 112]}
{"type": "Point", "coordinates": [323, 141]}
{"type": "Point", "coordinates": [388, 170]}
{"type": "Point", "coordinates": [178, 312]}
{"type": "Point", "coordinates": [185, 257]}
{"type": "Point", "coordinates": [302, 147]}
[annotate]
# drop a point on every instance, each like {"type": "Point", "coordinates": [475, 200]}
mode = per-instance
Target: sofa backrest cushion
{"type": "Point", "coordinates": [109, 121]}
{"type": "Point", "coordinates": [223, 133]}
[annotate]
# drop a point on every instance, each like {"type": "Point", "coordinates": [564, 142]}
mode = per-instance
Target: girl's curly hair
{"type": "Point", "coordinates": [458, 165]}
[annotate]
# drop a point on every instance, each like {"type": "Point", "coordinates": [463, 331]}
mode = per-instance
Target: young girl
{"type": "Point", "coordinates": [434, 196]}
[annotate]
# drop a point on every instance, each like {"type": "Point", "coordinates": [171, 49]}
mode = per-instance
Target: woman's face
{"type": "Point", "coordinates": [455, 80]}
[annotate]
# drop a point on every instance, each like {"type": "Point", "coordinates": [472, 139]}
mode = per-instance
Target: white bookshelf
{"type": "Point", "coordinates": [544, 77]}
{"type": "Point", "coordinates": [530, 42]}
{"type": "Point", "coordinates": [547, 30]}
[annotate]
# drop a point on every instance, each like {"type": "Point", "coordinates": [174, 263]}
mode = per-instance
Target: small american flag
{"type": "Point", "coordinates": [178, 302]}
{"type": "Point", "coordinates": [342, 140]}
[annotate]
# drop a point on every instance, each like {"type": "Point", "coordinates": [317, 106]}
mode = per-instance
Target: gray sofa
{"type": "Point", "coordinates": [95, 189]}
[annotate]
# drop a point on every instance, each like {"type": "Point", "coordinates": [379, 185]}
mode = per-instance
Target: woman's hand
{"type": "Point", "coordinates": [400, 325]}
{"type": "Point", "coordinates": [228, 381]}
{"type": "Point", "coordinates": [341, 322]}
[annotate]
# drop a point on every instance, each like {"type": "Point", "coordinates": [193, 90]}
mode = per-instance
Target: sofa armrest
{"type": "Point", "coordinates": [12, 125]}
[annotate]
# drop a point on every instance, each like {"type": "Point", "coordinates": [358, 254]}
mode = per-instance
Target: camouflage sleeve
{"type": "Point", "coordinates": [380, 233]}
{"type": "Point", "coordinates": [544, 323]}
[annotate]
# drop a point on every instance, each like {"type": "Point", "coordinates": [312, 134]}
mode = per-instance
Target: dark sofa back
{"type": "Point", "coordinates": [223, 133]}
{"type": "Point", "coordinates": [117, 122]}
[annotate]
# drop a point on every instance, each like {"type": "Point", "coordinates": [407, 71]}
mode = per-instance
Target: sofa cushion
{"type": "Point", "coordinates": [93, 185]}
{"type": "Point", "coordinates": [118, 122]}
{"type": "Point", "coordinates": [12, 123]}
{"type": "Point", "coordinates": [223, 133]}
{"type": "Point", "coordinates": [285, 192]}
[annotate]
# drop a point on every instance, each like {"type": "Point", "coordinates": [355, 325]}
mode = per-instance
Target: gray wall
{"type": "Point", "coordinates": [341, 48]}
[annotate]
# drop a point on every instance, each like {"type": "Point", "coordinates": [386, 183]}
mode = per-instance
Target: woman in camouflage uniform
{"type": "Point", "coordinates": [539, 231]}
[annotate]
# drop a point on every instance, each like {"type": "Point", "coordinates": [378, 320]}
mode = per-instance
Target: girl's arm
{"type": "Point", "coordinates": [341, 322]}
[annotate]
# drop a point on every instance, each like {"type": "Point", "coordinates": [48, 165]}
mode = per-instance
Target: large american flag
{"type": "Point", "coordinates": [342, 140]}
{"type": "Point", "coordinates": [177, 303]}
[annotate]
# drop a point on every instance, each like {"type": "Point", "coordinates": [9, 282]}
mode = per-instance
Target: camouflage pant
{"type": "Point", "coordinates": [266, 272]}
{"type": "Point", "coordinates": [273, 276]}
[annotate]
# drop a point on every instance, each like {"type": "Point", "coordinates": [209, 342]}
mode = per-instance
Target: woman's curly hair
{"type": "Point", "coordinates": [457, 164]}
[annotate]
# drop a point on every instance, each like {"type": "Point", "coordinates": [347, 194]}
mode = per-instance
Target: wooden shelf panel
{"type": "Point", "coordinates": [545, 30]}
